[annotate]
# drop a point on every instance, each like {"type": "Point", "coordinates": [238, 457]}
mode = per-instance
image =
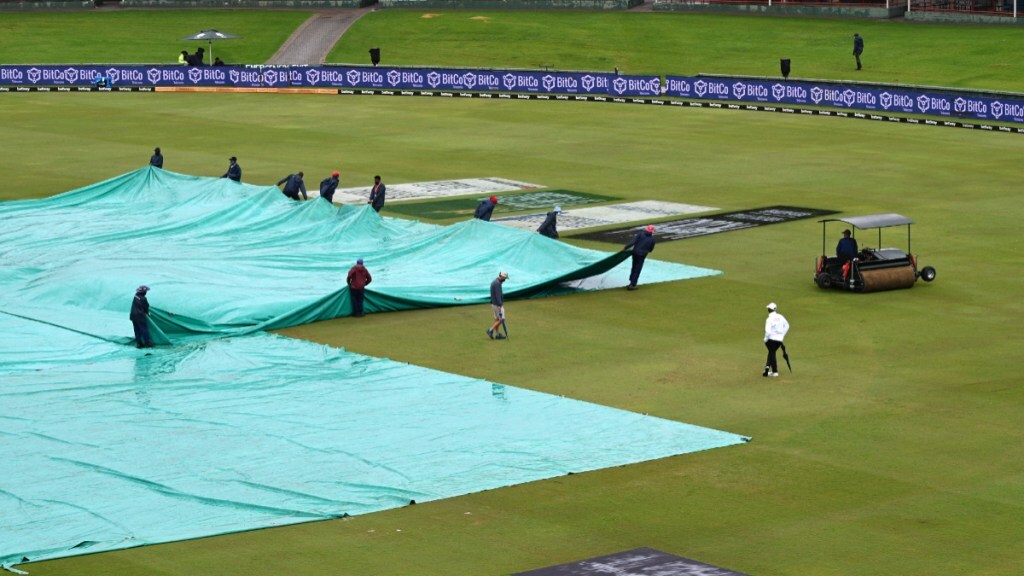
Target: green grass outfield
{"type": "Point", "coordinates": [982, 57]}
{"type": "Point", "coordinates": [891, 449]}
{"type": "Point", "coordinates": [141, 36]}
{"type": "Point", "coordinates": [658, 43]}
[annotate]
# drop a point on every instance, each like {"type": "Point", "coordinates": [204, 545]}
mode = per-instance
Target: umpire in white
{"type": "Point", "coordinates": [775, 328]}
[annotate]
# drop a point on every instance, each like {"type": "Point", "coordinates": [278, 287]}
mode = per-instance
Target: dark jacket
{"type": "Point", "coordinates": [293, 184]}
{"type": "Point", "coordinates": [377, 196]}
{"type": "Point", "coordinates": [484, 210]}
{"type": "Point", "coordinates": [234, 172]}
{"type": "Point", "coordinates": [858, 45]}
{"type": "Point", "coordinates": [140, 308]}
{"type": "Point", "coordinates": [548, 228]}
{"type": "Point", "coordinates": [497, 295]}
{"type": "Point", "coordinates": [642, 245]}
{"type": "Point", "coordinates": [846, 249]}
{"type": "Point", "coordinates": [327, 187]}
{"type": "Point", "coordinates": [358, 277]}
{"type": "Point", "coordinates": [157, 160]}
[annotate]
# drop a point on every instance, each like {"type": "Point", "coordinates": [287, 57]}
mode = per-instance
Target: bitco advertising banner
{"type": "Point", "coordinates": [849, 97]}
{"type": "Point", "coordinates": [337, 77]}
{"type": "Point", "coordinates": [874, 99]}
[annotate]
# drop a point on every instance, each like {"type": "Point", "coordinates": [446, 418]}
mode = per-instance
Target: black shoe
{"type": "Point", "coordinates": [490, 334]}
{"type": "Point", "coordinates": [631, 287]}
{"type": "Point", "coordinates": [499, 336]}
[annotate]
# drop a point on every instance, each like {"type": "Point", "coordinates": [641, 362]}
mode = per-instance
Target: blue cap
{"type": "Point", "coordinates": [359, 261]}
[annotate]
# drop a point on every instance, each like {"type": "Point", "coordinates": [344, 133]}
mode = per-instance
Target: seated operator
{"type": "Point", "coordinates": [846, 250]}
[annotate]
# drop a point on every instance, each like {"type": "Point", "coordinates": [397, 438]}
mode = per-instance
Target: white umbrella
{"type": "Point", "coordinates": [210, 36]}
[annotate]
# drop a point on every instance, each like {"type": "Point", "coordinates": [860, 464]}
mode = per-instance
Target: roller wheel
{"type": "Point", "coordinates": [927, 273]}
{"type": "Point", "coordinates": [823, 280]}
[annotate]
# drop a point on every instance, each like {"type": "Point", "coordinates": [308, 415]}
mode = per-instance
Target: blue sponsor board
{"type": "Point", "coordinates": [849, 97]}
{"type": "Point", "coordinates": [482, 81]}
{"type": "Point", "coordinates": [872, 99]}
{"type": "Point", "coordinates": [29, 75]}
{"type": "Point", "coordinates": [337, 77]}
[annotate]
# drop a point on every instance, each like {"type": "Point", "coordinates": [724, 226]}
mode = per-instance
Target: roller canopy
{"type": "Point", "coordinates": [873, 221]}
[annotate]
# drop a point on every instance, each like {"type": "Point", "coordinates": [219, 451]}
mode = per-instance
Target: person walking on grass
{"type": "Point", "coordinates": [858, 48]}
{"type": "Point", "coordinates": [497, 306]}
{"type": "Point", "coordinates": [775, 328]}
{"type": "Point", "coordinates": [139, 316]}
{"type": "Point", "coordinates": [642, 245]}
{"type": "Point", "coordinates": [358, 278]}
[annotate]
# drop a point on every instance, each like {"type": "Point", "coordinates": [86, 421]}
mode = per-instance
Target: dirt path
{"type": "Point", "coordinates": [311, 42]}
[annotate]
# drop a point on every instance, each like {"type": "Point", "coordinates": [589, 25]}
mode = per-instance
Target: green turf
{"type": "Point", "coordinates": [891, 450]}
{"type": "Point", "coordinates": [141, 36]}
{"type": "Point", "coordinates": [638, 43]}
{"type": "Point", "coordinates": [645, 43]}
{"type": "Point", "coordinates": [451, 209]}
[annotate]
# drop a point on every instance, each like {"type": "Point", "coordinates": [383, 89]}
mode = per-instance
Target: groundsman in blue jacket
{"type": "Point", "coordinates": [234, 170]}
{"type": "Point", "coordinates": [550, 226]}
{"type": "Point", "coordinates": [485, 208]}
{"type": "Point", "coordinates": [642, 245]}
{"type": "Point", "coordinates": [139, 317]}
{"type": "Point", "coordinates": [293, 184]}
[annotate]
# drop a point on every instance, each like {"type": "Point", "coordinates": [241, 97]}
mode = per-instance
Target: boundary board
{"type": "Point", "coordinates": [630, 100]}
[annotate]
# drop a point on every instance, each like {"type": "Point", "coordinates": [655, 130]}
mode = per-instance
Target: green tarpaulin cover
{"type": "Point", "coordinates": [228, 428]}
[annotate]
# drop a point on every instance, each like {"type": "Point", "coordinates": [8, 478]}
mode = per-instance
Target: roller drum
{"type": "Point", "coordinates": [888, 279]}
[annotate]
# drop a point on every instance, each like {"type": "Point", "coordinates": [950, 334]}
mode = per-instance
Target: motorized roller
{"type": "Point", "coordinates": [888, 279]}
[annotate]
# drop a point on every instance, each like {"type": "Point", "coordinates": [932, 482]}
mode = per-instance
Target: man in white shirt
{"type": "Point", "coordinates": [775, 328]}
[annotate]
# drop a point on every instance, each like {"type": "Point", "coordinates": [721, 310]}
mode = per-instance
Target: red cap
{"type": "Point", "coordinates": [650, 228]}
{"type": "Point", "coordinates": [335, 173]}
{"type": "Point", "coordinates": [494, 199]}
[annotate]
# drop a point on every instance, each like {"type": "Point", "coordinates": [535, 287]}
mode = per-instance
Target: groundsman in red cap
{"type": "Point", "coordinates": [485, 208]}
{"type": "Point", "coordinates": [642, 245]}
{"type": "Point", "coordinates": [328, 186]}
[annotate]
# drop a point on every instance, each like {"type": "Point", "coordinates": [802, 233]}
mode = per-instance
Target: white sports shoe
{"type": "Point", "coordinates": [774, 374]}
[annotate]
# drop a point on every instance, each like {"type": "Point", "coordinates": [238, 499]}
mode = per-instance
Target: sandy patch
{"type": "Point", "coordinates": [431, 16]}
{"type": "Point", "coordinates": [481, 18]}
